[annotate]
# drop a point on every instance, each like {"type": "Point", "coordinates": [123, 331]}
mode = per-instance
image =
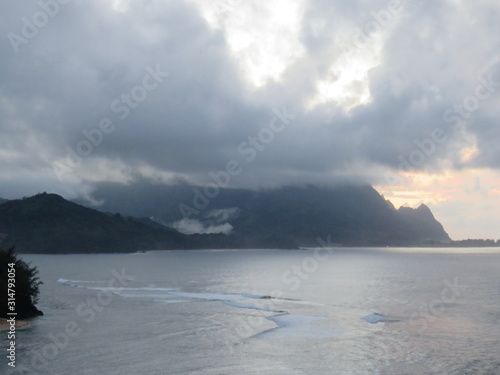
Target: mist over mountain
{"type": "Point", "coordinates": [47, 223]}
{"type": "Point", "coordinates": [148, 217]}
{"type": "Point", "coordinates": [350, 214]}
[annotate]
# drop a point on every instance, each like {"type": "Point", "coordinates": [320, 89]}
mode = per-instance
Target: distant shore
{"type": "Point", "coordinates": [4, 325]}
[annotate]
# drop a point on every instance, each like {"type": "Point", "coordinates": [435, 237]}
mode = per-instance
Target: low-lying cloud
{"type": "Point", "coordinates": [113, 91]}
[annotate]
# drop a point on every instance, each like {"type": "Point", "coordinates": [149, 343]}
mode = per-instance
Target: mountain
{"type": "Point", "coordinates": [350, 215]}
{"type": "Point", "coordinates": [47, 223]}
{"type": "Point", "coordinates": [2, 200]}
{"type": "Point", "coordinates": [423, 223]}
{"type": "Point", "coordinates": [288, 216]}
{"type": "Point", "coordinates": [346, 214]}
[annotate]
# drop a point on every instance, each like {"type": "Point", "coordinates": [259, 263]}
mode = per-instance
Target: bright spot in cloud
{"type": "Point", "coordinates": [347, 82]}
{"type": "Point", "coordinates": [470, 150]}
{"type": "Point", "coordinates": [264, 37]}
{"type": "Point", "coordinates": [120, 5]}
{"type": "Point", "coordinates": [468, 153]}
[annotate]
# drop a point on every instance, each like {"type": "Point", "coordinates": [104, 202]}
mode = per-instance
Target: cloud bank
{"type": "Point", "coordinates": [94, 91]}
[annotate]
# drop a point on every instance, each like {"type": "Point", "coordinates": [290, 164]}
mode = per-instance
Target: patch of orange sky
{"type": "Point", "coordinates": [466, 202]}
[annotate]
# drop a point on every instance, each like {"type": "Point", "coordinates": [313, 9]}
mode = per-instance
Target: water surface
{"type": "Point", "coordinates": [341, 311]}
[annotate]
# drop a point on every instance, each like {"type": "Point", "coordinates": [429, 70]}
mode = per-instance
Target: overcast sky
{"type": "Point", "coordinates": [401, 94]}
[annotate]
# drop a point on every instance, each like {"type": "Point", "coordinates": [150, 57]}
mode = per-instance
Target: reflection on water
{"type": "Point", "coordinates": [355, 311]}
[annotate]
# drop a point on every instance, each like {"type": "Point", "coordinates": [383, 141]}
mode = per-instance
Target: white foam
{"type": "Point", "coordinates": [165, 295]}
{"type": "Point", "coordinates": [207, 296]}
{"type": "Point", "coordinates": [250, 306]}
{"type": "Point", "coordinates": [150, 289]}
{"type": "Point", "coordinates": [215, 296]}
{"type": "Point", "coordinates": [120, 289]}
{"type": "Point", "coordinates": [170, 291]}
{"type": "Point", "coordinates": [140, 295]}
{"type": "Point", "coordinates": [297, 326]}
{"type": "Point", "coordinates": [65, 281]}
{"type": "Point", "coordinates": [287, 325]}
{"type": "Point", "coordinates": [377, 318]}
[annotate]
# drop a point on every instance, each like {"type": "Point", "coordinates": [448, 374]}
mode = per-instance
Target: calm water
{"type": "Point", "coordinates": [346, 311]}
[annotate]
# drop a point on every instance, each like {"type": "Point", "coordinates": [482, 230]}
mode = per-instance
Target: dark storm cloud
{"type": "Point", "coordinates": [82, 70]}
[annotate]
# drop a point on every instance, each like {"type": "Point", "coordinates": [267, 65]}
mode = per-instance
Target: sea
{"type": "Point", "coordinates": [359, 311]}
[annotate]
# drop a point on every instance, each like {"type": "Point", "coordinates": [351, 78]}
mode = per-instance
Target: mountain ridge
{"type": "Point", "coordinates": [286, 217]}
{"type": "Point", "coordinates": [353, 214]}
{"type": "Point", "coordinates": [47, 223]}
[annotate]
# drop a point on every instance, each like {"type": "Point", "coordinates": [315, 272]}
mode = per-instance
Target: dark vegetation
{"type": "Point", "coordinates": [477, 243]}
{"type": "Point", "coordinates": [26, 288]}
{"type": "Point", "coordinates": [47, 223]}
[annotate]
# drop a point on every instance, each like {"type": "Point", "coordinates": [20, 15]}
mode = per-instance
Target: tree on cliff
{"type": "Point", "coordinates": [26, 286]}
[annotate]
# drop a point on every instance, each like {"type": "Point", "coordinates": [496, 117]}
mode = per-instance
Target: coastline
{"type": "Point", "coordinates": [4, 325]}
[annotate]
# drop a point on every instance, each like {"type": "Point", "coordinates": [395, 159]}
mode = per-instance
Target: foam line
{"type": "Point", "coordinates": [251, 306]}
{"type": "Point", "coordinates": [146, 289]}
{"type": "Point", "coordinates": [215, 296]}
{"type": "Point", "coordinates": [65, 281]}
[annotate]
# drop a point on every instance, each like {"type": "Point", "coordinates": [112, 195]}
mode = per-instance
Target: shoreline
{"type": "Point", "coordinates": [336, 246]}
{"type": "Point", "coordinates": [4, 325]}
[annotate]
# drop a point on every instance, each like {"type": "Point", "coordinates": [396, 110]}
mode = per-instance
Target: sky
{"type": "Point", "coordinates": [401, 94]}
